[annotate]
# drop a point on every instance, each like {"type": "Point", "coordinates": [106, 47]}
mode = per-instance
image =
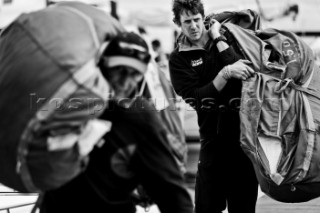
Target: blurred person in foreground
{"type": "Point", "coordinates": [135, 152]}
{"type": "Point", "coordinates": [207, 70]}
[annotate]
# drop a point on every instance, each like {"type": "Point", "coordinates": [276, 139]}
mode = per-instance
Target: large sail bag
{"type": "Point", "coordinates": [280, 113]}
{"type": "Point", "coordinates": [51, 94]}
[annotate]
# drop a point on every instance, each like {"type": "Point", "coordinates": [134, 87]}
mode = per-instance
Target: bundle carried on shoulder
{"type": "Point", "coordinates": [51, 94]}
{"type": "Point", "coordinates": [280, 113]}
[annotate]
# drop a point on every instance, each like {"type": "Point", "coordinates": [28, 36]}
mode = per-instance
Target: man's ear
{"type": "Point", "coordinates": [176, 22]}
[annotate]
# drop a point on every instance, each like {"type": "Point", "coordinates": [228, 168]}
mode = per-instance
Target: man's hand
{"type": "Point", "coordinates": [214, 30]}
{"type": "Point", "coordinates": [240, 70]}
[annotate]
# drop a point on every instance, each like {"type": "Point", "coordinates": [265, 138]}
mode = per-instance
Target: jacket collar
{"type": "Point", "coordinates": [184, 44]}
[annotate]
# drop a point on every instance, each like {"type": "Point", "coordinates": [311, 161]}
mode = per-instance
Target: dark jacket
{"type": "Point", "coordinates": [136, 152]}
{"type": "Point", "coordinates": [192, 71]}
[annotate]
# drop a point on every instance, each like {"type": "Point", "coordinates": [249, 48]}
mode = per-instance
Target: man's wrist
{"type": "Point", "coordinates": [225, 73]}
{"type": "Point", "coordinates": [215, 35]}
{"type": "Point", "coordinates": [220, 80]}
{"type": "Point", "coordinates": [218, 39]}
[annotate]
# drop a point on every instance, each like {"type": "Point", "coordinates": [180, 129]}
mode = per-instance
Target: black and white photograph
{"type": "Point", "coordinates": [159, 106]}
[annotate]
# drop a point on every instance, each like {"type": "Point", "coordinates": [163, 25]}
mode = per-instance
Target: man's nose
{"type": "Point", "coordinates": [131, 82]}
{"type": "Point", "coordinates": [193, 24]}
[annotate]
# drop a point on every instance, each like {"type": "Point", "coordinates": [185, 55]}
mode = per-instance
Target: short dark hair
{"type": "Point", "coordinates": [193, 6]}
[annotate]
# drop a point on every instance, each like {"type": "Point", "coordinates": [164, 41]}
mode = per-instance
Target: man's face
{"type": "Point", "coordinates": [123, 80]}
{"type": "Point", "coordinates": [192, 26]}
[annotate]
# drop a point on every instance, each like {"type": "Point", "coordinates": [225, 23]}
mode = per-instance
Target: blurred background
{"type": "Point", "coordinates": [155, 16]}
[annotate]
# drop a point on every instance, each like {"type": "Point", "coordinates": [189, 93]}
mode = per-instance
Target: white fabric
{"type": "Point", "coordinates": [114, 61]}
{"type": "Point", "coordinates": [272, 149]}
{"type": "Point", "coordinates": [90, 136]}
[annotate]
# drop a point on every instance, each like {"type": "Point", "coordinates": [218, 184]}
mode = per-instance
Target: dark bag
{"type": "Point", "coordinates": [248, 19]}
{"type": "Point", "coordinates": [51, 94]}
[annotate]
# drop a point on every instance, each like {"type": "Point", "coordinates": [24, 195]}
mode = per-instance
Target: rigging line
{"type": "Point", "coordinates": [261, 11]}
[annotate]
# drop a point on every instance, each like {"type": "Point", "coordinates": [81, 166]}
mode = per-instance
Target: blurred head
{"type": "Point", "coordinates": [189, 16]}
{"type": "Point", "coordinates": [124, 62]}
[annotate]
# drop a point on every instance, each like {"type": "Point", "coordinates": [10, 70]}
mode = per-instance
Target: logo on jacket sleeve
{"type": "Point", "coordinates": [195, 63]}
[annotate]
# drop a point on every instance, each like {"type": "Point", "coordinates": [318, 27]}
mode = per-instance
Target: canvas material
{"type": "Point", "coordinates": [281, 102]}
{"type": "Point", "coordinates": [37, 62]}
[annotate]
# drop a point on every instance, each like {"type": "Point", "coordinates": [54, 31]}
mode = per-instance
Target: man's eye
{"type": "Point", "coordinates": [136, 74]}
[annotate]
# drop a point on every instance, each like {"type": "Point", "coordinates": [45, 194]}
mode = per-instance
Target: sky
{"type": "Point", "coordinates": [8, 12]}
{"type": "Point", "coordinates": [307, 19]}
